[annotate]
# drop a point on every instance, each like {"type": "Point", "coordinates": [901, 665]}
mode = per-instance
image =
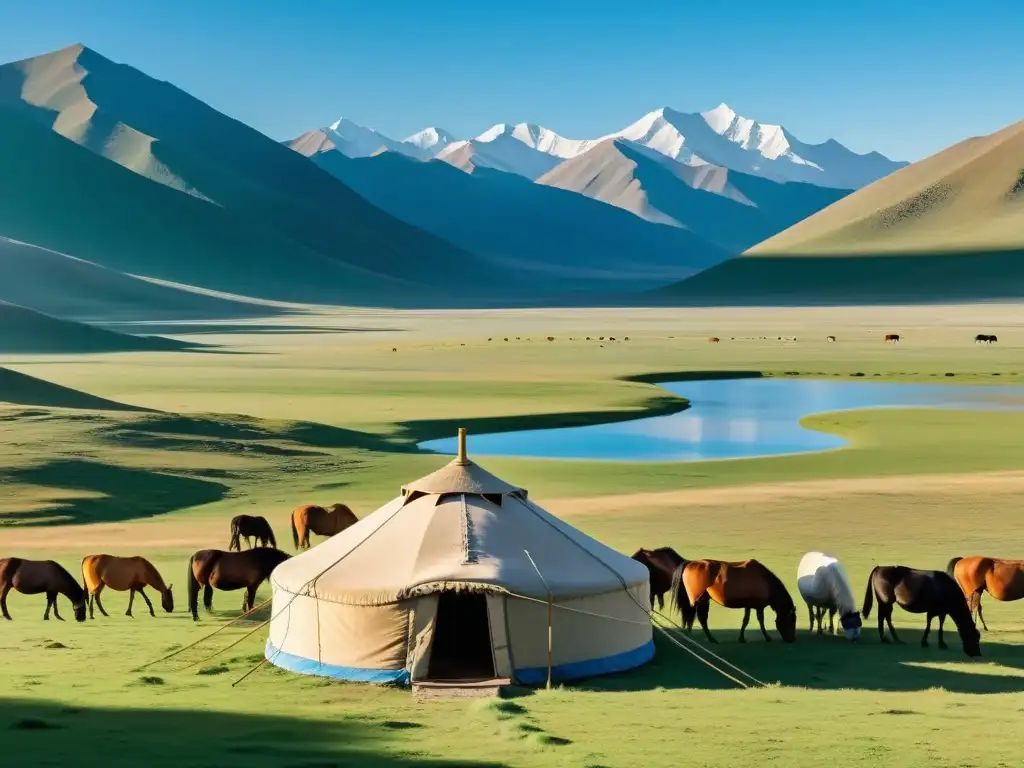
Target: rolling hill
{"type": "Point", "coordinates": [948, 228]}
{"type": "Point", "coordinates": [733, 210]}
{"type": "Point", "coordinates": [549, 232]}
{"type": "Point", "coordinates": [25, 331]}
{"type": "Point", "coordinates": [253, 187]}
{"type": "Point", "coordinates": [21, 389]}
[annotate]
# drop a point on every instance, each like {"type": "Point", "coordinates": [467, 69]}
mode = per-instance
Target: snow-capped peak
{"type": "Point", "coordinates": [536, 137]}
{"type": "Point", "coordinates": [431, 140]}
{"type": "Point", "coordinates": [719, 118]}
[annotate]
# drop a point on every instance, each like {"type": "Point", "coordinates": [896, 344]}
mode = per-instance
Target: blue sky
{"type": "Point", "coordinates": [903, 78]}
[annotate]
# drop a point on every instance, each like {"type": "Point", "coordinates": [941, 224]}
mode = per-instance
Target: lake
{"type": "Point", "coordinates": [731, 419]}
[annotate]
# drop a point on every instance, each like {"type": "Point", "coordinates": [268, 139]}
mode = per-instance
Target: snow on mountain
{"type": "Point", "coordinates": [503, 149]}
{"type": "Point", "coordinates": [354, 140]}
{"type": "Point", "coordinates": [430, 141]}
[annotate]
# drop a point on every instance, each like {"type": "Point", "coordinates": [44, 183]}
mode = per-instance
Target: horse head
{"type": "Point", "coordinates": [851, 624]}
{"type": "Point", "coordinates": [785, 622]}
{"type": "Point", "coordinates": [79, 606]}
{"type": "Point", "coordinates": [167, 599]}
{"type": "Point", "coordinates": [971, 638]}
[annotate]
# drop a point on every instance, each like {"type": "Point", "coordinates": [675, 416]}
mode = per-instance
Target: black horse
{"type": "Point", "coordinates": [934, 593]}
{"type": "Point", "coordinates": [661, 564]}
{"type": "Point", "coordinates": [985, 338]}
{"type": "Point", "coordinates": [251, 527]}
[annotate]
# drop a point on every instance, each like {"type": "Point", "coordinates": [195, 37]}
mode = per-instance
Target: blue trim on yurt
{"type": "Point", "coordinates": [589, 668]}
{"type": "Point", "coordinates": [358, 674]}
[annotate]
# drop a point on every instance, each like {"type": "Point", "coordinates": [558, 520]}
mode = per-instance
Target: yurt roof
{"type": "Point", "coordinates": [458, 528]}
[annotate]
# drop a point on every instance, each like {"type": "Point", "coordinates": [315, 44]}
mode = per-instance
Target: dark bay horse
{"type": "Point", "coordinates": [123, 574]}
{"type": "Point", "coordinates": [934, 593]}
{"type": "Point", "coordinates": [251, 527]}
{"type": "Point", "coordinates": [748, 585]}
{"type": "Point", "coordinates": [35, 577]}
{"type": "Point", "coordinates": [894, 337]}
{"type": "Point", "coordinates": [227, 571]}
{"type": "Point", "coordinates": [1003, 579]}
{"type": "Point", "coordinates": [310, 518]}
{"type": "Point", "coordinates": [661, 564]}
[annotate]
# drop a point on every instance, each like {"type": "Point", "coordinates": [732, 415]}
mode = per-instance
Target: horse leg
{"type": "Point", "coordinates": [52, 597]}
{"type": "Point", "coordinates": [703, 609]}
{"type": "Point", "coordinates": [208, 597]}
{"type": "Point", "coordinates": [810, 610]}
{"type": "Point", "coordinates": [144, 596]}
{"type": "Point", "coordinates": [99, 603]}
{"type": "Point", "coordinates": [981, 618]}
{"type": "Point", "coordinates": [892, 629]}
{"type": "Point", "coordinates": [250, 595]}
{"type": "Point", "coordinates": [760, 620]}
{"type": "Point", "coordinates": [881, 622]}
{"type": "Point", "coordinates": [49, 602]}
{"type": "Point", "coordinates": [821, 619]}
{"type": "Point", "coordinates": [832, 620]}
{"type": "Point", "coordinates": [131, 600]}
{"type": "Point", "coordinates": [942, 620]}
{"type": "Point", "coordinates": [743, 627]}
{"type": "Point", "coordinates": [927, 629]}
{"type": "Point", "coordinates": [3, 601]}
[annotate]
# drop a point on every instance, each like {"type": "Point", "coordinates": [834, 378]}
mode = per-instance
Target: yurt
{"type": "Point", "coordinates": [461, 577]}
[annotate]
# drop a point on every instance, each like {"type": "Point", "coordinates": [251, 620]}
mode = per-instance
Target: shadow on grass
{"type": "Point", "coordinates": [127, 493]}
{"type": "Point", "coordinates": [199, 329]}
{"type": "Point", "coordinates": [47, 733]}
{"type": "Point", "coordinates": [829, 663]}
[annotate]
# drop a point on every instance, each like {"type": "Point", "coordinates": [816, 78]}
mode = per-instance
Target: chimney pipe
{"type": "Point", "coordinates": [462, 460]}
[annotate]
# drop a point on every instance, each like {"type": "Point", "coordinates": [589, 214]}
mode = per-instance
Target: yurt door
{"type": "Point", "coordinates": [461, 645]}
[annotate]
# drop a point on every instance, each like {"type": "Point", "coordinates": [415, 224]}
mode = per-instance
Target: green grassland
{"type": "Point", "coordinates": [266, 421]}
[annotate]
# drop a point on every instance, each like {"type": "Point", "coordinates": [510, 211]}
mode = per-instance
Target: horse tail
{"type": "Point", "coordinates": [295, 532]}
{"type": "Point", "coordinates": [235, 544]}
{"type": "Point", "coordinates": [270, 536]}
{"type": "Point", "coordinates": [869, 595]}
{"type": "Point", "coordinates": [951, 566]}
{"type": "Point", "coordinates": [193, 587]}
{"type": "Point", "coordinates": [680, 598]}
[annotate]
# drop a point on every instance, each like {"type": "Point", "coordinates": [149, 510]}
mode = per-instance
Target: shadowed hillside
{"type": "Point", "coordinates": [21, 389]}
{"type": "Point", "coordinates": [557, 234]}
{"type": "Point", "coordinates": [160, 133]}
{"type": "Point", "coordinates": [24, 330]}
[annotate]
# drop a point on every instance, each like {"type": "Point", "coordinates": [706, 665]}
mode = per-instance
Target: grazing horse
{"type": "Point", "coordinates": [227, 571]}
{"type": "Point", "coordinates": [894, 337]}
{"type": "Point", "coordinates": [934, 593]}
{"type": "Point", "coordinates": [747, 585]}
{"type": "Point", "coordinates": [34, 577]}
{"type": "Point", "coordinates": [1003, 579]}
{"type": "Point", "coordinates": [830, 339]}
{"type": "Point", "coordinates": [310, 518]}
{"type": "Point", "coordinates": [123, 574]}
{"type": "Point", "coordinates": [714, 340]}
{"type": "Point", "coordinates": [661, 563]}
{"type": "Point", "coordinates": [984, 338]}
{"type": "Point", "coordinates": [251, 527]}
{"type": "Point", "coordinates": [824, 586]}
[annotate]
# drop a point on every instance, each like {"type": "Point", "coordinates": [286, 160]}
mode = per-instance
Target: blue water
{"type": "Point", "coordinates": [731, 419]}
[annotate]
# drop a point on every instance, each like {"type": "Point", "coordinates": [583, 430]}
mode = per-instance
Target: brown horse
{"type": "Point", "coordinates": [893, 337]}
{"type": "Point", "coordinates": [34, 577]}
{"type": "Point", "coordinates": [251, 527]}
{"type": "Point", "coordinates": [227, 571]}
{"type": "Point", "coordinates": [310, 518]}
{"type": "Point", "coordinates": [661, 564]}
{"type": "Point", "coordinates": [1003, 579]}
{"type": "Point", "coordinates": [748, 585]}
{"type": "Point", "coordinates": [123, 574]}
{"type": "Point", "coordinates": [714, 340]}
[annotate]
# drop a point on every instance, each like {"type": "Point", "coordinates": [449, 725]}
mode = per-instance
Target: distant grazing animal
{"type": "Point", "coordinates": [747, 585]}
{"type": "Point", "coordinates": [824, 586]}
{"type": "Point", "coordinates": [227, 571]}
{"type": "Point", "coordinates": [934, 593]}
{"type": "Point", "coordinates": [251, 527]}
{"type": "Point", "coordinates": [830, 339]}
{"type": "Point", "coordinates": [1003, 579]}
{"type": "Point", "coordinates": [310, 518]}
{"type": "Point", "coordinates": [714, 340]}
{"type": "Point", "coordinates": [123, 574]}
{"type": "Point", "coordinates": [35, 577]}
{"type": "Point", "coordinates": [894, 337]}
{"type": "Point", "coordinates": [984, 338]}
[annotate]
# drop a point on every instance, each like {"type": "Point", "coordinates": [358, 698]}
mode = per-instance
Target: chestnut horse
{"type": "Point", "coordinates": [310, 518]}
{"type": "Point", "coordinates": [227, 571]}
{"type": "Point", "coordinates": [748, 585]}
{"type": "Point", "coordinates": [34, 577]}
{"type": "Point", "coordinates": [123, 574]}
{"type": "Point", "coordinates": [894, 337]}
{"type": "Point", "coordinates": [251, 527]}
{"type": "Point", "coordinates": [934, 593]}
{"type": "Point", "coordinates": [1003, 579]}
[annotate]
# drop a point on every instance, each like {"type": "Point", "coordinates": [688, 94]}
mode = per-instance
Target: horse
{"type": "Point", "coordinates": [747, 585]}
{"type": "Point", "coordinates": [830, 339]}
{"type": "Point", "coordinates": [714, 340]}
{"type": "Point", "coordinates": [323, 522]}
{"type": "Point", "coordinates": [33, 577]}
{"type": "Point", "coordinates": [227, 571]}
{"type": "Point", "coordinates": [1003, 579]}
{"type": "Point", "coordinates": [131, 574]}
{"type": "Point", "coordinates": [661, 564]}
{"type": "Point", "coordinates": [893, 337]}
{"type": "Point", "coordinates": [251, 527]}
{"type": "Point", "coordinates": [824, 586]}
{"type": "Point", "coordinates": [934, 593]}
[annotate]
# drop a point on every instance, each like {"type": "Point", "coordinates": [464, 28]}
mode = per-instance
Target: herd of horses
{"type": "Point", "coordinates": [749, 585]}
{"type": "Point", "coordinates": [981, 338]}
{"type": "Point", "coordinates": [208, 569]}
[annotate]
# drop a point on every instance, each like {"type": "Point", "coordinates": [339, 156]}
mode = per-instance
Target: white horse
{"type": "Point", "coordinates": [823, 585]}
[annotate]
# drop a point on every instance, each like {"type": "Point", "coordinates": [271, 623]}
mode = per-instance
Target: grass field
{"type": "Point", "coordinates": [320, 408]}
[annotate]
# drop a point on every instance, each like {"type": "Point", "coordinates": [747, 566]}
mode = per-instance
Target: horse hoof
{"type": "Point", "coordinates": [943, 646]}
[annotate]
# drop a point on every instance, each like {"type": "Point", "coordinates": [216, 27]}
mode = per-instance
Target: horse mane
{"type": "Point", "coordinates": [157, 581]}
{"type": "Point", "coordinates": [778, 588]}
{"type": "Point", "coordinates": [70, 583]}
